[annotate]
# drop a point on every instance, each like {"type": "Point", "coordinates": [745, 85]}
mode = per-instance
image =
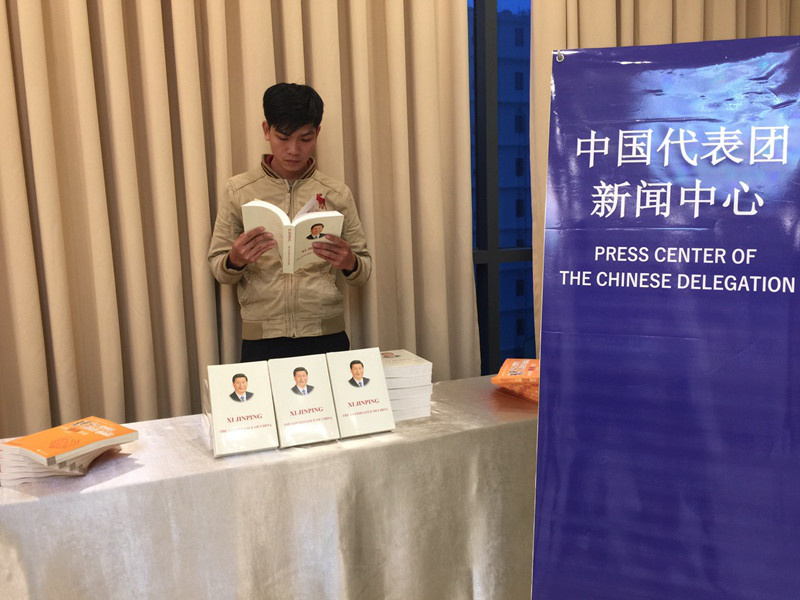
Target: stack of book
{"type": "Point", "coordinates": [66, 450]}
{"type": "Point", "coordinates": [519, 376]}
{"type": "Point", "coordinates": [408, 378]}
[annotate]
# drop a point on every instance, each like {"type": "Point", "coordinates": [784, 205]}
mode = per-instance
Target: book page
{"type": "Point", "coordinates": [314, 227]}
{"type": "Point", "coordinates": [264, 214]}
{"type": "Point", "coordinates": [312, 205]}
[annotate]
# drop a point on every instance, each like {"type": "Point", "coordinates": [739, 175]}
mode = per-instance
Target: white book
{"type": "Point", "coordinates": [303, 400]}
{"type": "Point", "coordinates": [411, 413]}
{"type": "Point", "coordinates": [409, 392]}
{"type": "Point", "coordinates": [239, 408]}
{"type": "Point", "coordinates": [295, 236]}
{"type": "Point", "coordinates": [360, 393]}
{"type": "Point", "coordinates": [411, 402]}
{"type": "Point", "coordinates": [402, 363]}
{"type": "Point", "coordinates": [396, 383]}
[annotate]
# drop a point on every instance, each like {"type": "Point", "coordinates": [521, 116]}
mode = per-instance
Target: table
{"type": "Point", "coordinates": [441, 508]}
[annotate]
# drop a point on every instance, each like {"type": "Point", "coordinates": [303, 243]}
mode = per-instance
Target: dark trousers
{"type": "Point", "coordinates": [284, 346]}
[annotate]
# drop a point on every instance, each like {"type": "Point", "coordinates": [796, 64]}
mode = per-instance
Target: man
{"type": "Point", "coordinates": [301, 387]}
{"type": "Point", "coordinates": [316, 232]}
{"type": "Point", "coordinates": [289, 314]}
{"type": "Point", "coordinates": [240, 393]}
{"type": "Point", "coordinates": [357, 369]}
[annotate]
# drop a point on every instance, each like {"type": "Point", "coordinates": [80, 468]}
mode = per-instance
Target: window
{"type": "Point", "coordinates": [499, 57]}
{"type": "Point", "coordinates": [519, 123]}
{"type": "Point", "coordinates": [519, 166]}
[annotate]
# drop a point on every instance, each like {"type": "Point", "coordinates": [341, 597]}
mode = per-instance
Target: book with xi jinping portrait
{"type": "Point", "coordinates": [298, 400]}
{"type": "Point", "coordinates": [312, 223]}
{"type": "Point", "coordinates": [237, 402]}
{"type": "Point", "coordinates": [304, 406]}
{"type": "Point", "coordinates": [360, 392]}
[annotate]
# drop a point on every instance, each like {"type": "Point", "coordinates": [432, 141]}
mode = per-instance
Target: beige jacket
{"type": "Point", "coordinates": [273, 304]}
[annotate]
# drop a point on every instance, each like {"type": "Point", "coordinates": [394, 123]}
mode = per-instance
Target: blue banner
{"type": "Point", "coordinates": [669, 427]}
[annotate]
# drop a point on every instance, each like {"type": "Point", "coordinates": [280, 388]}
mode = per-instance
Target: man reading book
{"type": "Point", "coordinates": [300, 313]}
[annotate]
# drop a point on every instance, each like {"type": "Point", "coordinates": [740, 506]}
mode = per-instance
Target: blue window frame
{"type": "Point", "coordinates": [499, 68]}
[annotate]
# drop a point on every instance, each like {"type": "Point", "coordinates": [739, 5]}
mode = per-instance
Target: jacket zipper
{"type": "Point", "coordinates": [288, 278]}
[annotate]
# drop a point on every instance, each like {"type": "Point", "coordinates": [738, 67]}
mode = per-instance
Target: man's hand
{"type": "Point", "coordinates": [249, 247]}
{"type": "Point", "coordinates": [336, 251]}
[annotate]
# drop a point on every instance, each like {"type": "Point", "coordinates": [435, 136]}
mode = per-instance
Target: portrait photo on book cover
{"type": "Point", "coordinates": [240, 393]}
{"type": "Point", "coordinates": [316, 232]}
{"type": "Point", "coordinates": [357, 372]}
{"type": "Point", "coordinates": [301, 387]}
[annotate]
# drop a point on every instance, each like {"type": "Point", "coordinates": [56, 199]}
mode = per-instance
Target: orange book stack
{"type": "Point", "coordinates": [519, 376]}
{"type": "Point", "coordinates": [67, 449]}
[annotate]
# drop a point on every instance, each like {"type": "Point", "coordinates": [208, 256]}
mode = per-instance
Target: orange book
{"type": "Point", "coordinates": [518, 370]}
{"type": "Point", "coordinates": [519, 376]}
{"type": "Point", "coordinates": [71, 440]}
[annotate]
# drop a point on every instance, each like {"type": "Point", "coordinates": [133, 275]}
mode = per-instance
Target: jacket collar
{"type": "Point", "coordinates": [265, 165]}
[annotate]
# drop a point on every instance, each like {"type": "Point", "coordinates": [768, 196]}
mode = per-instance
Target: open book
{"type": "Point", "coordinates": [294, 237]}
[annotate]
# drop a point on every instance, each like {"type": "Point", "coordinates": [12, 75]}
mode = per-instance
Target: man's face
{"type": "Point", "coordinates": [301, 378]}
{"type": "Point", "coordinates": [357, 370]}
{"type": "Point", "coordinates": [316, 230]}
{"type": "Point", "coordinates": [240, 385]}
{"type": "Point", "coordinates": [291, 152]}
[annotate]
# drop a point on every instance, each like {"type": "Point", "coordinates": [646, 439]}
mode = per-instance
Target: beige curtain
{"type": "Point", "coordinates": [122, 120]}
{"type": "Point", "coordinates": [563, 24]}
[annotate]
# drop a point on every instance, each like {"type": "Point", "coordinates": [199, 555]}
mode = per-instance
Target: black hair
{"type": "Point", "coordinates": [289, 106]}
{"type": "Point", "coordinates": [356, 362]}
{"type": "Point", "coordinates": [235, 377]}
{"type": "Point", "coordinates": [299, 369]}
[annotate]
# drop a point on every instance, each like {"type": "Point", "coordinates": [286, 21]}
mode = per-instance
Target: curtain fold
{"type": "Point", "coordinates": [397, 269]}
{"type": "Point", "coordinates": [563, 24]}
{"type": "Point", "coordinates": [123, 120]}
{"type": "Point", "coordinates": [23, 350]}
{"type": "Point", "coordinates": [357, 76]}
{"type": "Point", "coordinates": [125, 216]}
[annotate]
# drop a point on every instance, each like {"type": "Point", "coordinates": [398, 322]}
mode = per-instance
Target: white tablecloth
{"type": "Point", "coordinates": [441, 508]}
